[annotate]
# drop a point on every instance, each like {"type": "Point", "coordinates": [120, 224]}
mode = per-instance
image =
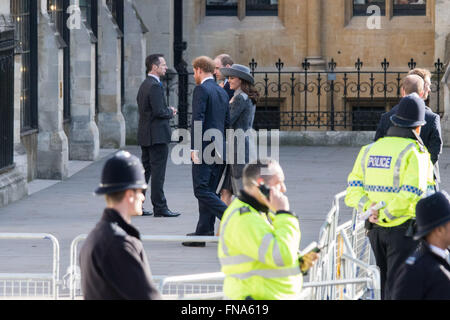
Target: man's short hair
{"type": "Point", "coordinates": [151, 60]}
{"type": "Point", "coordinates": [225, 59]}
{"type": "Point", "coordinates": [206, 64]}
{"type": "Point", "coordinates": [116, 197]}
{"type": "Point", "coordinates": [262, 168]}
{"type": "Point", "coordinates": [413, 84]}
{"type": "Point", "coordinates": [423, 73]}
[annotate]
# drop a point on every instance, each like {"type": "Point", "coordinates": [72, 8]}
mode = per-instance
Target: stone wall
{"type": "Point", "coordinates": [135, 54]}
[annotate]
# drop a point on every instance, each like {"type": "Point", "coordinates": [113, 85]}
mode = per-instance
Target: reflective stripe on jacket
{"type": "Point", "coordinates": [395, 170]}
{"type": "Point", "coordinates": [259, 257]}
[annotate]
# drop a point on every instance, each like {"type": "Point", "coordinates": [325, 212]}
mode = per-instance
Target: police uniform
{"type": "Point", "coordinates": [424, 276]}
{"type": "Point", "coordinates": [113, 262]}
{"type": "Point", "coordinates": [397, 170]}
{"type": "Point", "coordinates": [258, 252]}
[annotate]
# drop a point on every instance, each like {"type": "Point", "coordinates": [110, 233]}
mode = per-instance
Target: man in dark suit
{"type": "Point", "coordinates": [431, 131]}
{"type": "Point", "coordinates": [154, 134]}
{"type": "Point", "coordinates": [210, 115]}
{"type": "Point", "coordinates": [223, 61]}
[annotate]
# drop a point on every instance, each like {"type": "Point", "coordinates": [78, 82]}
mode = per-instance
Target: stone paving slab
{"type": "Point", "coordinates": [69, 208]}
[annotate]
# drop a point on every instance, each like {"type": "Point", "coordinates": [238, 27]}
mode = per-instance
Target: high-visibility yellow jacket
{"type": "Point", "coordinates": [395, 170]}
{"type": "Point", "coordinates": [259, 257]}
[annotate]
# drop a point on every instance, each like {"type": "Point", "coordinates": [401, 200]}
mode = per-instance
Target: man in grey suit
{"type": "Point", "coordinates": [154, 134]}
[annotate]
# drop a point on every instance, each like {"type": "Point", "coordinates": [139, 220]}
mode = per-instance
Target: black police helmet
{"type": "Point", "coordinates": [121, 172]}
{"type": "Point", "coordinates": [410, 113]}
{"type": "Point", "coordinates": [432, 212]}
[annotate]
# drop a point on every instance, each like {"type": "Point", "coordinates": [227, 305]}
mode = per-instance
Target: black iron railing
{"type": "Point", "coordinates": [7, 45]}
{"type": "Point", "coordinates": [334, 99]}
{"type": "Point", "coordinates": [24, 16]}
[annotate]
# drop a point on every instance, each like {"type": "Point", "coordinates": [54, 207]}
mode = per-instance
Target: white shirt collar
{"type": "Point", "coordinates": [152, 75]}
{"type": "Point", "coordinates": [440, 252]}
{"type": "Point", "coordinates": [207, 79]}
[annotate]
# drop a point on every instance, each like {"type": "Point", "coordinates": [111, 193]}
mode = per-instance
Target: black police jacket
{"type": "Point", "coordinates": [113, 262]}
{"type": "Point", "coordinates": [424, 276]}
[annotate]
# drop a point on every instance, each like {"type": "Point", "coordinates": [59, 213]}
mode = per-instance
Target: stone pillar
{"type": "Point", "coordinates": [442, 29]}
{"type": "Point", "coordinates": [52, 149]}
{"type": "Point", "coordinates": [84, 141]}
{"type": "Point", "coordinates": [110, 121]}
{"type": "Point", "coordinates": [135, 54]}
{"type": "Point", "coordinates": [314, 53]}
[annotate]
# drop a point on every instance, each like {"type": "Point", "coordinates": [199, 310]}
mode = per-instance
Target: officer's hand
{"type": "Point", "coordinates": [373, 218]}
{"type": "Point", "coordinates": [278, 200]}
{"type": "Point", "coordinates": [307, 261]}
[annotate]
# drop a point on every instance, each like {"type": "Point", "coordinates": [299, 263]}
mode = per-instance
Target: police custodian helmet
{"type": "Point", "coordinates": [121, 172]}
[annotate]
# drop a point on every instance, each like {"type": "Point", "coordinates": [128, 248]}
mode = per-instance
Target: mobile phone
{"type": "Point", "coordinates": [264, 190]}
{"type": "Point", "coordinates": [312, 247]}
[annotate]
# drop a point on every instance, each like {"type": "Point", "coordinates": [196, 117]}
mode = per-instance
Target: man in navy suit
{"type": "Point", "coordinates": [223, 61]}
{"type": "Point", "coordinates": [210, 119]}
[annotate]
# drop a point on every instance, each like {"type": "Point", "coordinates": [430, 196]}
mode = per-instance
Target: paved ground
{"type": "Point", "coordinates": [69, 208]}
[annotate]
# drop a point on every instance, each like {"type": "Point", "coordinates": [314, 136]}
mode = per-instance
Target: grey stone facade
{"type": "Point", "coordinates": [45, 153]}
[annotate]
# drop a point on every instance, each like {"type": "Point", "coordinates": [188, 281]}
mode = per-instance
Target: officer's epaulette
{"type": "Point", "coordinates": [244, 210]}
{"type": "Point", "coordinates": [416, 255]}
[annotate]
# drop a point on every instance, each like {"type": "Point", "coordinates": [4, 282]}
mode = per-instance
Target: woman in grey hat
{"type": "Point", "coordinates": [242, 114]}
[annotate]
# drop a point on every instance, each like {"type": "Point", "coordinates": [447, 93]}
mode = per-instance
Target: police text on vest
{"type": "Point", "coordinates": [380, 162]}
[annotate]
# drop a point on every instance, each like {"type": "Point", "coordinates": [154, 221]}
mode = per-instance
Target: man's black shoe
{"type": "Point", "coordinates": [195, 243]}
{"type": "Point", "coordinates": [167, 213]}
{"type": "Point", "coordinates": [146, 213]}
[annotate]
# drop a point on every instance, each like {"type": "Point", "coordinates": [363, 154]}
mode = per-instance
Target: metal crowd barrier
{"type": "Point", "coordinates": [74, 278]}
{"type": "Point", "coordinates": [345, 260]}
{"type": "Point", "coordinates": [343, 270]}
{"type": "Point", "coordinates": [31, 285]}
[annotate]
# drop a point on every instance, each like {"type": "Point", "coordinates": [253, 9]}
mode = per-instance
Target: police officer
{"type": "Point", "coordinates": [259, 239]}
{"type": "Point", "coordinates": [426, 273]}
{"type": "Point", "coordinates": [112, 260]}
{"type": "Point", "coordinates": [395, 169]}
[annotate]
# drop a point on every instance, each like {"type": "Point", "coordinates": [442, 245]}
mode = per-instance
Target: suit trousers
{"type": "Point", "coordinates": [391, 248]}
{"type": "Point", "coordinates": [154, 160]}
{"type": "Point", "coordinates": [205, 180]}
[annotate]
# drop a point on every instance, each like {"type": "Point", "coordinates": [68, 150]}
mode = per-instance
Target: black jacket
{"type": "Point", "coordinates": [424, 276]}
{"type": "Point", "coordinates": [154, 115]}
{"type": "Point", "coordinates": [113, 262]}
{"type": "Point", "coordinates": [430, 132]}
